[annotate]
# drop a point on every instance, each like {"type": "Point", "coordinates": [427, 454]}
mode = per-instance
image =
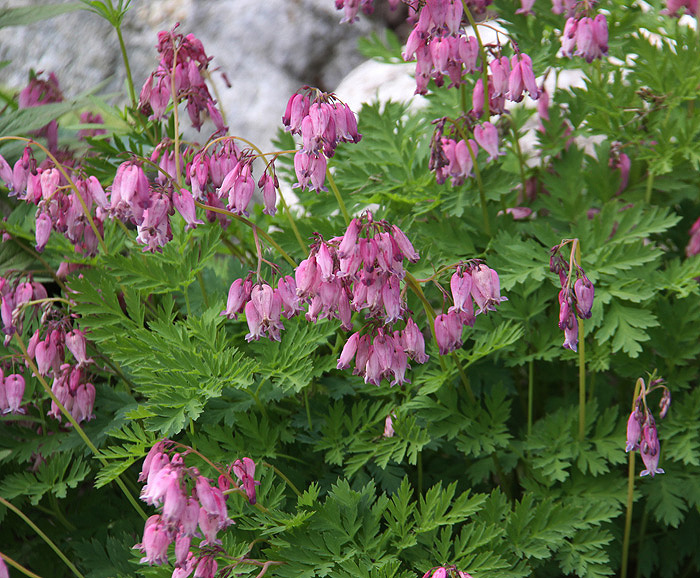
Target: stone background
{"type": "Point", "coordinates": [266, 48]}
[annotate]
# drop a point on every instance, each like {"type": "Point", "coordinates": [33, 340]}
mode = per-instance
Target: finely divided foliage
{"type": "Point", "coordinates": [198, 379]}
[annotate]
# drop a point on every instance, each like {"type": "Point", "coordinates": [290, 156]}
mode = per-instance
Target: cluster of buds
{"type": "Point", "coordinates": [455, 158]}
{"type": "Point", "coordinates": [183, 64]}
{"type": "Point", "coordinates": [472, 283]}
{"type": "Point", "coordinates": [576, 295]}
{"type": "Point", "coordinates": [585, 37]}
{"type": "Point", "coordinates": [323, 122]}
{"type": "Point", "coordinates": [37, 93]}
{"type": "Point", "coordinates": [352, 7]}
{"type": "Point", "coordinates": [11, 393]}
{"type": "Point", "coordinates": [446, 572]}
{"type": "Point", "coordinates": [641, 427]}
{"type": "Point", "coordinates": [191, 505]}
{"type": "Point", "coordinates": [439, 45]}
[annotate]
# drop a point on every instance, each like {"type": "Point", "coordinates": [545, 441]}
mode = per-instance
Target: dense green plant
{"type": "Point", "coordinates": [499, 452]}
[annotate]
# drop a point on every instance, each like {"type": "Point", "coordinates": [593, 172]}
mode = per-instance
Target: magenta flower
{"type": "Point", "coordinates": [584, 290]}
{"type": "Point", "coordinates": [156, 539]}
{"type": "Point", "coordinates": [634, 430]}
{"type": "Point", "coordinates": [650, 449]}
{"type": "Point", "coordinates": [245, 471]}
{"type": "Point", "coordinates": [13, 387]}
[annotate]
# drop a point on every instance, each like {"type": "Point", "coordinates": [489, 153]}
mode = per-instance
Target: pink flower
{"type": "Point", "coordinates": [13, 392]}
{"type": "Point", "coordinates": [245, 471]}
{"type": "Point", "coordinates": [156, 539]}
{"type": "Point", "coordinates": [650, 449]}
{"type": "Point", "coordinates": [486, 288]}
{"type": "Point", "coordinates": [634, 430]}
{"type": "Point", "coordinates": [584, 290]}
{"type": "Point", "coordinates": [448, 332]}
{"type": "Point", "coordinates": [486, 136]}
{"type": "Point", "coordinates": [43, 231]}
{"type": "Point", "coordinates": [184, 203]}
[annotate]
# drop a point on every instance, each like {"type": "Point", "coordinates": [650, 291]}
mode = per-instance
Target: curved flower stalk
{"type": "Point", "coordinates": [641, 426]}
{"type": "Point", "coordinates": [576, 295]}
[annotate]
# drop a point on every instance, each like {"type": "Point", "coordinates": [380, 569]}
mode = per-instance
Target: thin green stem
{"type": "Point", "coordinates": [285, 478]}
{"type": "Point", "coordinates": [503, 480]}
{"type": "Point", "coordinates": [482, 53]}
{"type": "Point", "coordinates": [630, 495]}
{"type": "Point", "coordinates": [650, 186]}
{"type": "Point", "coordinates": [76, 426]}
{"type": "Point", "coordinates": [308, 409]}
{"type": "Point", "coordinates": [420, 472]}
{"type": "Point", "coordinates": [205, 297]}
{"type": "Point", "coordinates": [530, 394]}
{"type": "Point", "coordinates": [642, 532]}
{"type": "Point", "coordinates": [43, 536]}
{"type": "Point", "coordinates": [127, 67]}
{"type": "Point", "coordinates": [581, 382]}
{"type": "Point", "coordinates": [581, 363]}
{"type": "Point", "coordinates": [19, 566]}
{"type": "Point", "coordinates": [176, 119]}
{"type": "Point", "coordinates": [338, 198]}
{"type": "Point", "coordinates": [628, 516]}
{"type": "Point", "coordinates": [463, 377]}
{"type": "Point", "coordinates": [521, 158]}
{"type": "Point", "coordinates": [252, 225]}
{"type": "Point", "coordinates": [186, 293]}
{"type": "Point", "coordinates": [482, 194]}
{"type": "Point", "coordinates": [292, 223]}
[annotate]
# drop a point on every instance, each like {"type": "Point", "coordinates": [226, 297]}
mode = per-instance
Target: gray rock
{"type": "Point", "coordinates": [267, 49]}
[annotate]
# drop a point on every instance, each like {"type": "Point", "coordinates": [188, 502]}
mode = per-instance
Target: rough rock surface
{"type": "Point", "coordinates": [267, 49]}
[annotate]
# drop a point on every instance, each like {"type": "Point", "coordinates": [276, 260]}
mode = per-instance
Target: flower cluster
{"type": "Point", "coordinates": [455, 158]}
{"type": "Point", "coordinates": [641, 427]}
{"type": "Point", "coordinates": [585, 37]}
{"type": "Point", "coordinates": [384, 354]}
{"type": "Point", "coordinates": [473, 283]}
{"type": "Point", "coordinates": [183, 64]}
{"type": "Point", "coordinates": [63, 200]}
{"type": "Point", "coordinates": [576, 295]}
{"type": "Point", "coordinates": [47, 347]}
{"type": "Point", "coordinates": [439, 45]}
{"type": "Point", "coordinates": [323, 122]}
{"type": "Point", "coordinates": [191, 506]}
